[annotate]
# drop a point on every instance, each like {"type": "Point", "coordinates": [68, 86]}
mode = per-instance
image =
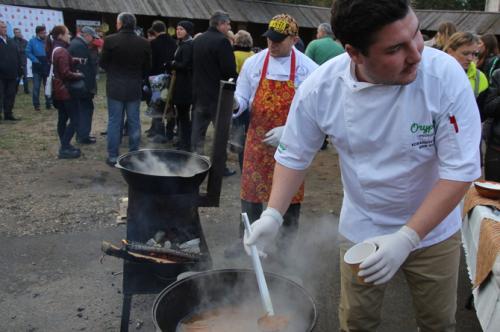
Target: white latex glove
{"type": "Point", "coordinates": [264, 230]}
{"type": "Point", "coordinates": [273, 136]}
{"type": "Point", "coordinates": [393, 249]}
{"type": "Point", "coordinates": [236, 108]}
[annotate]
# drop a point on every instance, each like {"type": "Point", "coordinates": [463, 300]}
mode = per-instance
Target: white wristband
{"type": "Point", "coordinates": [273, 213]}
{"type": "Point", "coordinates": [411, 235]}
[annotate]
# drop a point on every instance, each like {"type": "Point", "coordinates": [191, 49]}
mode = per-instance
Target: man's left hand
{"type": "Point", "coordinates": [393, 249]}
{"type": "Point", "coordinates": [273, 136]}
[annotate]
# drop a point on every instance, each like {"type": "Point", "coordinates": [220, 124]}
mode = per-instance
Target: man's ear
{"type": "Point", "coordinates": [295, 39]}
{"type": "Point", "coordinates": [354, 54]}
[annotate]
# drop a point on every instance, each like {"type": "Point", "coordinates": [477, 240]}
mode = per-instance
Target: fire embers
{"type": "Point", "coordinates": [158, 249]}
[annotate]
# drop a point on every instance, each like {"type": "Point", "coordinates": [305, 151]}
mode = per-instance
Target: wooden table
{"type": "Point", "coordinates": [487, 294]}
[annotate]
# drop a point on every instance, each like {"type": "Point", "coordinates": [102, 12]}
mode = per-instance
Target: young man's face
{"type": "Point", "coordinates": [394, 56]}
{"type": "Point", "coordinates": [42, 34]}
{"type": "Point", "coordinates": [17, 33]}
{"type": "Point", "coordinates": [282, 48]}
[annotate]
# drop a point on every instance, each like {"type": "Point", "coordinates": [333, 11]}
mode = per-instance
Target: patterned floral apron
{"type": "Point", "coordinates": [270, 109]}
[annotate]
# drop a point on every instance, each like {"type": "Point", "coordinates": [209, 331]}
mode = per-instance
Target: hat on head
{"type": "Point", "coordinates": [280, 27]}
{"type": "Point", "coordinates": [89, 31]}
{"type": "Point", "coordinates": [188, 26]}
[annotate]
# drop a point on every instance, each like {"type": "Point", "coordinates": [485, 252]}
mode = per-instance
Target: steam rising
{"type": "Point", "coordinates": [151, 164]}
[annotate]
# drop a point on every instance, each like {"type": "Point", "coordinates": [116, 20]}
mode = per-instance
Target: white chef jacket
{"type": "Point", "coordinates": [394, 141]}
{"type": "Point", "coordinates": [278, 70]}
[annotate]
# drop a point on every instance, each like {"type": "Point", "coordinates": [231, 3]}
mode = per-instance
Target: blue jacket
{"type": "Point", "coordinates": [35, 51]}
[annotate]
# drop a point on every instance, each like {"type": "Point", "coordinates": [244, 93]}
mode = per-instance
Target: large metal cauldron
{"type": "Point", "coordinates": [186, 171]}
{"type": "Point", "coordinates": [216, 288]}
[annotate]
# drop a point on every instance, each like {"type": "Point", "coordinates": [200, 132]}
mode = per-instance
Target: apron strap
{"type": "Point", "coordinates": [266, 64]}
{"type": "Point", "coordinates": [292, 67]}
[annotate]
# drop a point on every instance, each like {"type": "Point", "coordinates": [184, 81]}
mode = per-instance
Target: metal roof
{"type": "Point", "coordinates": [478, 22]}
{"type": "Point", "coordinates": [257, 11]}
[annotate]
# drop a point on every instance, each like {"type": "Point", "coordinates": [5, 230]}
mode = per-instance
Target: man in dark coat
{"type": "Point", "coordinates": [79, 48]}
{"type": "Point", "coordinates": [213, 60]}
{"type": "Point", "coordinates": [162, 50]}
{"type": "Point", "coordinates": [21, 46]}
{"type": "Point", "coordinates": [126, 58]}
{"type": "Point", "coordinates": [10, 69]}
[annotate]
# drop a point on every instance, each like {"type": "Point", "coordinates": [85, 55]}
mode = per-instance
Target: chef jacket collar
{"type": "Point", "coordinates": [350, 79]}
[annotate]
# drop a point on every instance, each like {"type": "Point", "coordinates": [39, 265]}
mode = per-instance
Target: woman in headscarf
{"type": "Point", "coordinates": [64, 72]}
{"type": "Point", "coordinates": [182, 94]}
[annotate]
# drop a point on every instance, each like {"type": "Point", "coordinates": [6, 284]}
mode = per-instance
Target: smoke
{"type": "Point", "coordinates": [148, 162]}
{"type": "Point", "coordinates": [311, 261]}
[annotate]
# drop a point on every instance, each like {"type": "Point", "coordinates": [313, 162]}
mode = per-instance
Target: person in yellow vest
{"type": "Point", "coordinates": [242, 47]}
{"type": "Point", "coordinates": [464, 47]}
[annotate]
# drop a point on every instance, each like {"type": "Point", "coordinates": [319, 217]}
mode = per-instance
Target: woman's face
{"type": "Point", "coordinates": [180, 32]}
{"type": "Point", "coordinates": [465, 54]}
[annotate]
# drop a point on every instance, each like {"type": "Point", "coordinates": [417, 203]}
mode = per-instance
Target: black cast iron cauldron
{"type": "Point", "coordinates": [142, 179]}
{"type": "Point", "coordinates": [216, 288]}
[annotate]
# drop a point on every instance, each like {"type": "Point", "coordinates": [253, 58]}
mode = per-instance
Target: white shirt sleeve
{"type": "Point", "coordinates": [244, 89]}
{"type": "Point", "coordinates": [302, 137]}
{"type": "Point", "coordinates": [458, 130]}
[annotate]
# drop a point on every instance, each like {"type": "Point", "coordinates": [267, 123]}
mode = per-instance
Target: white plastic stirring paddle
{"type": "Point", "coordinates": [261, 280]}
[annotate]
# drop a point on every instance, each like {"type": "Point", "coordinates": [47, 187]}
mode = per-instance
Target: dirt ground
{"type": "Point", "coordinates": [54, 214]}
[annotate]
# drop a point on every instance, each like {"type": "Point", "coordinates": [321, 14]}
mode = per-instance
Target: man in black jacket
{"type": "Point", "coordinates": [79, 48]}
{"type": "Point", "coordinates": [213, 60]}
{"type": "Point", "coordinates": [21, 46]}
{"type": "Point", "coordinates": [162, 50]}
{"type": "Point", "coordinates": [10, 69]}
{"type": "Point", "coordinates": [126, 58]}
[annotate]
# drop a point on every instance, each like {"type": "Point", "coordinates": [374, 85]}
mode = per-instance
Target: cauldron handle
{"type": "Point", "coordinates": [221, 136]}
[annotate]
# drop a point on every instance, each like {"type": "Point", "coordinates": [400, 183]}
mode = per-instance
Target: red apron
{"type": "Point", "coordinates": [270, 108]}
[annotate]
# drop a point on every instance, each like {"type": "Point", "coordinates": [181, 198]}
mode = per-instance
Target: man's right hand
{"type": "Point", "coordinates": [264, 230]}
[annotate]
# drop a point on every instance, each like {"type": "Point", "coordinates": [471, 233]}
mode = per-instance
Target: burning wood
{"type": "Point", "coordinates": [139, 252]}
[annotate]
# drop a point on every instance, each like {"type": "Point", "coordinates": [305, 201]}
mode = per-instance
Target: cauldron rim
{"type": "Point", "coordinates": [203, 158]}
{"type": "Point", "coordinates": [203, 274]}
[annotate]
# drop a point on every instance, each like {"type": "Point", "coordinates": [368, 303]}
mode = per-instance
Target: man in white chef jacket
{"type": "Point", "coordinates": [406, 127]}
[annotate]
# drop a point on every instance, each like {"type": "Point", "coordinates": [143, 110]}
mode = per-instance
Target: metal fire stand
{"type": "Point", "coordinates": [151, 278]}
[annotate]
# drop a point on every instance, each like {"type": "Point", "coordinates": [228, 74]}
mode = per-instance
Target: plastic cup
{"type": "Point", "coordinates": [356, 255]}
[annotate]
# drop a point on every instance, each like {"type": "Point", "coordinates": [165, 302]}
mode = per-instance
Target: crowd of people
{"type": "Point", "coordinates": [402, 178]}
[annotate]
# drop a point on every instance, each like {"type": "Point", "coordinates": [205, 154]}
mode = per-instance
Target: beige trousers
{"type": "Point", "coordinates": [432, 276]}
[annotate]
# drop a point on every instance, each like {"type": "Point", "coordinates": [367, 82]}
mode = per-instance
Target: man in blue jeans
{"type": "Point", "coordinates": [126, 58]}
{"type": "Point", "coordinates": [35, 51]}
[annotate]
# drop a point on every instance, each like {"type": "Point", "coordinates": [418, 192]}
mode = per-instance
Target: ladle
{"type": "Point", "coordinates": [259, 272]}
{"type": "Point", "coordinates": [269, 322]}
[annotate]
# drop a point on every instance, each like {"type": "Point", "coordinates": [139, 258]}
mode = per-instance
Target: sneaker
{"type": "Point", "coordinates": [69, 153]}
{"type": "Point", "coordinates": [235, 250]}
{"type": "Point", "coordinates": [48, 107]}
{"type": "Point", "coordinates": [37, 108]}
